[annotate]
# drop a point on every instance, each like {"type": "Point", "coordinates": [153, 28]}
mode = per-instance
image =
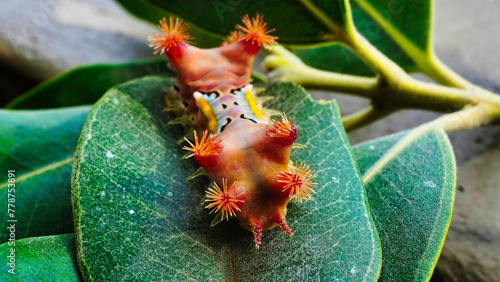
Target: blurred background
{"type": "Point", "coordinates": [42, 38]}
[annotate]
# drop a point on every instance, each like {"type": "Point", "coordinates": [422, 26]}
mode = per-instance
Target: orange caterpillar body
{"type": "Point", "coordinates": [247, 157]}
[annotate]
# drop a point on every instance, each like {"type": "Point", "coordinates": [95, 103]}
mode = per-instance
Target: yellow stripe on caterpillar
{"type": "Point", "coordinates": [208, 112]}
{"type": "Point", "coordinates": [253, 106]}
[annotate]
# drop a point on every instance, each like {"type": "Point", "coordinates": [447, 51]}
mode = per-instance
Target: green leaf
{"type": "Point", "coordinates": [137, 217]}
{"type": "Point", "coordinates": [85, 85]}
{"type": "Point", "coordinates": [147, 11]}
{"type": "Point", "coordinates": [39, 146]}
{"type": "Point", "coordinates": [218, 18]}
{"type": "Point", "coordinates": [335, 57]}
{"type": "Point", "coordinates": [399, 29]}
{"type": "Point", "coordinates": [410, 182]}
{"type": "Point", "coordinates": [50, 258]}
{"type": "Point", "coordinates": [407, 22]}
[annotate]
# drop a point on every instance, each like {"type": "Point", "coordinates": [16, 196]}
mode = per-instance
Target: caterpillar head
{"type": "Point", "coordinates": [201, 69]}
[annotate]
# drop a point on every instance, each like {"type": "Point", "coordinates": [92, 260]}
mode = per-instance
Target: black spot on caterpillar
{"type": "Point", "coordinates": [244, 117]}
{"type": "Point", "coordinates": [209, 94]}
{"type": "Point", "coordinates": [235, 91]}
{"type": "Point", "coordinates": [224, 126]}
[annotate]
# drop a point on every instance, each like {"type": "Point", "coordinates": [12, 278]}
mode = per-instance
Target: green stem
{"type": "Point", "coordinates": [322, 17]}
{"type": "Point", "coordinates": [466, 119]}
{"type": "Point", "coordinates": [364, 117]}
{"type": "Point", "coordinates": [441, 73]}
{"type": "Point", "coordinates": [376, 60]}
{"type": "Point", "coordinates": [412, 93]}
{"type": "Point", "coordinates": [289, 67]}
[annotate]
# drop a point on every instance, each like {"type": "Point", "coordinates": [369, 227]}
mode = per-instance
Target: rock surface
{"type": "Point", "coordinates": [472, 248]}
{"type": "Point", "coordinates": [45, 37]}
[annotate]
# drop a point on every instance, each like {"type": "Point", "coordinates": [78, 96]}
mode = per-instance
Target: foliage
{"type": "Point", "coordinates": [383, 207]}
{"type": "Point", "coordinates": [39, 146]}
{"type": "Point", "coordinates": [72, 88]}
{"type": "Point", "coordinates": [48, 258]}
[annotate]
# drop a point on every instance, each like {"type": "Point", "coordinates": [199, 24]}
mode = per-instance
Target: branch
{"type": "Point", "coordinates": [434, 68]}
{"type": "Point", "coordinates": [284, 65]}
{"type": "Point", "coordinates": [364, 117]}
{"type": "Point", "coordinates": [393, 89]}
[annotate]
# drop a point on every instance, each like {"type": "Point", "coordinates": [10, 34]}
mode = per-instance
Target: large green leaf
{"type": "Point", "coordinates": [217, 18]}
{"type": "Point", "coordinates": [334, 57]}
{"type": "Point", "coordinates": [50, 258]}
{"type": "Point", "coordinates": [399, 29]}
{"type": "Point", "coordinates": [39, 146]}
{"type": "Point", "coordinates": [85, 85]}
{"type": "Point", "coordinates": [137, 217]}
{"type": "Point", "coordinates": [407, 22]}
{"type": "Point", "coordinates": [410, 182]}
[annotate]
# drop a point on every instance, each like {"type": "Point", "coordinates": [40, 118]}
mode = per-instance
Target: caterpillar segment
{"type": "Point", "coordinates": [246, 155]}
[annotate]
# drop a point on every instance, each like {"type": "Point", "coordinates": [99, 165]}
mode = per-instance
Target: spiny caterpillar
{"type": "Point", "coordinates": [247, 157]}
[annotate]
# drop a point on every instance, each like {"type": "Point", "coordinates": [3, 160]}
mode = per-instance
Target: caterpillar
{"type": "Point", "coordinates": [246, 155]}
